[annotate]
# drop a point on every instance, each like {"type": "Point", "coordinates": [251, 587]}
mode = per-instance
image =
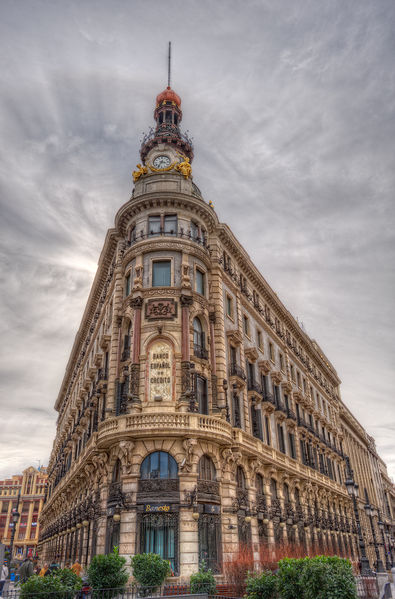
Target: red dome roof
{"type": "Point", "coordinates": [168, 95]}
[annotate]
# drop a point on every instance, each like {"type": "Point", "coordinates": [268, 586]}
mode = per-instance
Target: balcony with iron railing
{"type": "Point", "coordinates": [236, 370]}
{"type": "Point", "coordinates": [200, 352]}
{"type": "Point", "coordinates": [177, 233]}
{"type": "Point", "coordinates": [254, 386]}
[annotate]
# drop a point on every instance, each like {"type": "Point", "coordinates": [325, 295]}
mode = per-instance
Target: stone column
{"type": "Point", "coordinates": [134, 388]}
{"type": "Point", "coordinates": [128, 530]}
{"type": "Point", "coordinates": [189, 538]}
{"type": "Point", "coordinates": [186, 301]}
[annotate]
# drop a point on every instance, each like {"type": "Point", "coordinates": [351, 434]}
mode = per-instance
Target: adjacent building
{"type": "Point", "coordinates": [196, 415]}
{"type": "Point", "coordinates": [22, 494]}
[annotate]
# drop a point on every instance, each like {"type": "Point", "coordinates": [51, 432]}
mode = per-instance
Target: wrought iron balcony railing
{"type": "Point", "coordinates": [236, 370]}
{"type": "Point", "coordinates": [176, 233]}
{"type": "Point", "coordinates": [200, 352]}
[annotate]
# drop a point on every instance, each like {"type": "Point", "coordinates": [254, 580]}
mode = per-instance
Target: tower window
{"type": "Point", "coordinates": [161, 273]}
{"type": "Point", "coordinates": [201, 394]}
{"type": "Point", "coordinates": [154, 225]}
{"type": "Point", "coordinates": [246, 325]}
{"type": "Point", "coordinates": [168, 116]}
{"type": "Point", "coordinates": [170, 223]}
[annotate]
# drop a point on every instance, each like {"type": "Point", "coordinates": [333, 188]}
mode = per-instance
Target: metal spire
{"type": "Point", "coordinates": [169, 66]}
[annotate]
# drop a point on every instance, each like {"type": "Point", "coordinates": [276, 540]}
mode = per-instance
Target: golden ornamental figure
{"type": "Point", "coordinates": [142, 170]}
{"type": "Point", "coordinates": [184, 167]}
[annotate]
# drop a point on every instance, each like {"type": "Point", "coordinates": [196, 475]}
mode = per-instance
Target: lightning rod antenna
{"type": "Point", "coordinates": [169, 66]}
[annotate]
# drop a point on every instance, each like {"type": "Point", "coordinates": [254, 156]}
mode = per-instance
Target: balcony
{"type": "Point", "coordinates": [200, 352]}
{"type": "Point", "coordinates": [172, 424]}
{"type": "Point", "coordinates": [237, 371]}
{"type": "Point", "coordinates": [125, 354]}
{"type": "Point", "coordinates": [268, 397]}
{"type": "Point", "coordinates": [253, 386]}
{"type": "Point", "coordinates": [176, 233]}
{"type": "Point", "coordinates": [291, 414]}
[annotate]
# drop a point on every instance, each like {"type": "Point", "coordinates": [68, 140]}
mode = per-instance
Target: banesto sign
{"type": "Point", "coordinates": [162, 507]}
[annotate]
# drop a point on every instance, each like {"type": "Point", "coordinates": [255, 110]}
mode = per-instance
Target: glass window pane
{"type": "Point", "coordinates": [171, 223]}
{"type": "Point", "coordinates": [153, 225]}
{"type": "Point", "coordinates": [161, 273]}
{"type": "Point", "coordinates": [199, 281]}
{"type": "Point", "coordinates": [155, 465]}
{"type": "Point", "coordinates": [164, 464]}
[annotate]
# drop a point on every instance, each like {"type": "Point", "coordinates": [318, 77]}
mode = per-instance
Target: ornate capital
{"type": "Point", "coordinates": [137, 302]}
{"type": "Point", "coordinates": [186, 301]}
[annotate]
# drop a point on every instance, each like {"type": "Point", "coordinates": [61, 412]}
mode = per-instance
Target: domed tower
{"type": "Point", "coordinates": [168, 116]}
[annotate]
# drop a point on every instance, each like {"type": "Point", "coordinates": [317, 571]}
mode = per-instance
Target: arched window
{"type": "Point", "coordinates": [273, 488]}
{"type": "Point", "coordinates": [206, 468]}
{"type": "Point", "coordinates": [259, 484]}
{"type": "Point", "coordinates": [286, 492]}
{"type": "Point", "coordinates": [158, 465]}
{"type": "Point", "coordinates": [240, 478]}
{"type": "Point", "coordinates": [116, 473]}
{"type": "Point", "coordinates": [199, 341]}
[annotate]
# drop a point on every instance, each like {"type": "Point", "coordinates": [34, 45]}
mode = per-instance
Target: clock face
{"type": "Point", "coordinates": [161, 162]}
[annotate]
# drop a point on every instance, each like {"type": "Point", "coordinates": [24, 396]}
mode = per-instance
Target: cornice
{"type": "Point", "coordinates": [105, 261]}
{"type": "Point", "coordinates": [163, 199]}
{"type": "Point", "coordinates": [262, 286]}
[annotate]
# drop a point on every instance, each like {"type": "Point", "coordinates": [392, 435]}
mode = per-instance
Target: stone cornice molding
{"type": "Point", "coordinates": [106, 258]}
{"type": "Point", "coordinates": [164, 199]}
{"type": "Point", "coordinates": [246, 265]}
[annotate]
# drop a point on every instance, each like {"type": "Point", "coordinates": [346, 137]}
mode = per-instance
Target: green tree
{"type": "Point", "coordinates": [203, 581]}
{"type": "Point", "coordinates": [150, 570]}
{"type": "Point", "coordinates": [263, 586]}
{"type": "Point", "coordinates": [108, 572]}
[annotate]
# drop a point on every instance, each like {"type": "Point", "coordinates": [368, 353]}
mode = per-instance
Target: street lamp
{"type": "Point", "coordinates": [225, 388]}
{"type": "Point", "coordinates": [380, 524]}
{"type": "Point", "coordinates": [352, 490]}
{"type": "Point", "coordinates": [370, 512]}
{"type": "Point", "coordinates": [15, 517]}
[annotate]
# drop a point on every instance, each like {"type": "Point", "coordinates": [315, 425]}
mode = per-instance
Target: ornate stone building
{"type": "Point", "coordinates": [22, 493]}
{"type": "Point", "coordinates": [195, 414]}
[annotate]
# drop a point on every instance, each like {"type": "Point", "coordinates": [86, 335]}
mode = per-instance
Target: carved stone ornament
{"type": "Point", "coordinates": [158, 309]}
{"type": "Point", "coordinates": [189, 445]}
{"type": "Point", "coordinates": [251, 353]}
{"type": "Point", "coordinates": [186, 301]}
{"type": "Point", "coordinates": [265, 366]}
{"type": "Point", "coordinates": [277, 377]}
{"type": "Point", "coordinates": [228, 459]}
{"type": "Point", "coordinates": [235, 336]}
{"type": "Point", "coordinates": [125, 455]}
{"type": "Point", "coordinates": [136, 302]}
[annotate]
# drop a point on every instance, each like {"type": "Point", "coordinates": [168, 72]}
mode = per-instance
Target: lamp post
{"type": "Point", "coordinates": [225, 388]}
{"type": "Point", "coordinates": [370, 512]}
{"type": "Point", "coordinates": [352, 490]}
{"type": "Point", "coordinates": [380, 524]}
{"type": "Point", "coordinates": [14, 517]}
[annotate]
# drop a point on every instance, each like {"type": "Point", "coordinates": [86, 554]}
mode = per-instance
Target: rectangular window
{"type": "Point", "coordinates": [256, 423]}
{"type": "Point", "coordinates": [267, 427]}
{"type": "Point", "coordinates": [281, 360]}
{"type": "Point", "coordinates": [229, 306]}
{"type": "Point", "coordinates": [199, 281]}
{"type": "Point", "coordinates": [298, 379]}
{"type": "Point", "coordinates": [246, 325]}
{"type": "Point", "coordinates": [271, 352]}
{"type": "Point", "coordinates": [127, 285]}
{"type": "Point", "coordinates": [161, 273]}
{"type": "Point", "coordinates": [291, 439]}
{"type": "Point", "coordinates": [259, 339]}
{"type": "Point", "coordinates": [154, 225]}
{"type": "Point", "coordinates": [170, 224]}
{"type": "Point", "coordinates": [280, 434]}
{"type": "Point", "coordinates": [292, 373]}
{"type": "Point", "coordinates": [201, 394]}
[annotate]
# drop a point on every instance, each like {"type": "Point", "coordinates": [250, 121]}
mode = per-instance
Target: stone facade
{"type": "Point", "coordinates": [23, 493]}
{"type": "Point", "coordinates": [195, 414]}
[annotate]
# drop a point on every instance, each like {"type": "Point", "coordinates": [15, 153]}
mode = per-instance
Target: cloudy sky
{"type": "Point", "coordinates": [291, 106]}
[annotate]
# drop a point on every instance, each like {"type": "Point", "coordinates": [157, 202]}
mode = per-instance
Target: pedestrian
{"type": "Point", "coordinates": [77, 568]}
{"type": "Point", "coordinates": [44, 570]}
{"type": "Point", "coordinates": [3, 576]}
{"type": "Point", "coordinates": [53, 567]}
{"type": "Point", "coordinates": [25, 570]}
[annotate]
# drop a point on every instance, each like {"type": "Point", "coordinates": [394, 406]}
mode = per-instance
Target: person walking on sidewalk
{"type": "Point", "coordinates": [3, 576]}
{"type": "Point", "coordinates": [25, 570]}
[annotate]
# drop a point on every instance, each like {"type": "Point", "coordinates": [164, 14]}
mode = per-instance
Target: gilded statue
{"type": "Point", "coordinates": [184, 167]}
{"type": "Point", "coordinates": [142, 170]}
